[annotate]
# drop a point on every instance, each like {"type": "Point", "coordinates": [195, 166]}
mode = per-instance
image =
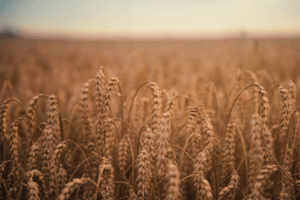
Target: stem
{"type": "Point", "coordinates": [83, 155]}
{"type": "Point", "coordinates": [244, 149]}
{"type": "Point", "coordinates": [189, 176]}
{"type": "Point", "coordinates": [128, 125]}
{"type": "Point", "coordinates": [287, 133]}
{"type": "Point", "coordinates": [185, 153]}
{"type": "Point", "coordinates": [7, 193]}
{"type": "Point", "coordinates": [85, 160]}
{"type": "Point", "coordinates": [61, 126]}
{"type": "Point", "coordinates": [183, 150]}
{"type": "Point", "coordinates": [121, 107]}
{"type": "Point", "coordinates": [216, 176]}
{"type": "Point", "coordinates": [131, 105]}
{"type": "Point", "coordinates": [191, 100]}
{"type": "Point", "coordinates": [132, 155]}
{"type": "Point", "coordinates": [236, 98]}
{"type": "Point", "coordinates": [139, 138]}
{"type": "Point", "coordinates": [272, 88]}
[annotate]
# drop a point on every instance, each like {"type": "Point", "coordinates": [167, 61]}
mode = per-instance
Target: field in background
{"type": "Point", "coordinates": [171, 124]}
{"type": "Point", "coordinates": [68, 64]}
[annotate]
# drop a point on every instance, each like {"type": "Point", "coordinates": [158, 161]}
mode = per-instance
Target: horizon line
{"type": "Point", "coordinates": [64, 35]}
{"type": "Point", "coordinates": [154, 38]}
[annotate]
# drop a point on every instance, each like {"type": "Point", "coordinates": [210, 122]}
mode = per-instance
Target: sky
{"type": "Point", "coordinates": [155, 18]}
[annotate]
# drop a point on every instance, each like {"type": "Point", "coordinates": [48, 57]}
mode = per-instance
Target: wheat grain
{"type": "Point", "coordinates": [286, 113]}
{"type": "Point", "coordinates": [173, 183]}
{"type": "Point", "coordinates": [156, 108]}
{"type": "Point", "coordinates": [228, 153]}
{"type": "Point", "coordinates": [229, 192]}
{"type": "Point", "coordinates": [164, 132]}
{"type": "Point", "coordinates": [144, 175]}
{"type": "Point", "coordinates": [203, 189]}
{"type": "Point", "coordinates": [71, 187]}
{"type": "Point", "coordinates": [106, 180]}
{"type": "Point", "coordinates": [86, 120]}
{"type": "Point", "coordinates": [122, 156]}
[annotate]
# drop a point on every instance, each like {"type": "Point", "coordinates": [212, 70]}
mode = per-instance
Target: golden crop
{"type": "Point", "coordinates": [183, 119]}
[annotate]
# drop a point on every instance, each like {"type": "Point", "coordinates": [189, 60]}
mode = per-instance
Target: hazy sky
{"type": "Point", "coordinates": [153, 17]}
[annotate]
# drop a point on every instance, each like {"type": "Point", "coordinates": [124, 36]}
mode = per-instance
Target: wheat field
{"type": "Point", "coordinates": [150, 119]}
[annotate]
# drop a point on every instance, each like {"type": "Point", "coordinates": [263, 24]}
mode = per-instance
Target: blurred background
{"type": "Point", "coordinates": [92, 19]}
{"type": "Point", "coordinates": [56, 46]}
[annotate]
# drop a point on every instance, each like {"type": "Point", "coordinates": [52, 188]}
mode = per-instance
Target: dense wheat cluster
{"type": "Point", "coordinates": [149, 119]}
